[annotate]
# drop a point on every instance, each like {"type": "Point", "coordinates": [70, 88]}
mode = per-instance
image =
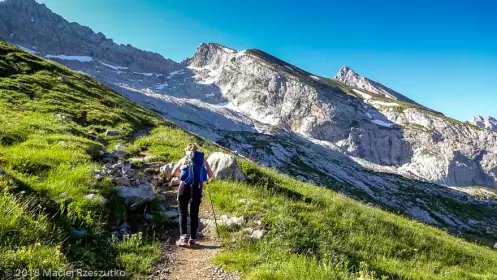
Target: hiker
{"type": "Point", "coordinates": [193, 171]}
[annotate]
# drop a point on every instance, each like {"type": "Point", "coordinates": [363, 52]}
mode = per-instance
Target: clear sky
{"type": "Point", "coordinates": [443, 54]}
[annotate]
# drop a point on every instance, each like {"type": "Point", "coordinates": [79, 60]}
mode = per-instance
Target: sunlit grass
{"type": "Point", "coordinates": [50, 136]}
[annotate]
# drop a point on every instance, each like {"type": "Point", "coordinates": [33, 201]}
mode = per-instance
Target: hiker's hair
{"type": "Point", "coordinates": [191, 147]}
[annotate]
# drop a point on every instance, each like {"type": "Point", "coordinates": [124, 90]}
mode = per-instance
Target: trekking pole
{"type": "Point", "coordinates": [213, 212]}
{"type": "Point", "coordinates": [146, 198]}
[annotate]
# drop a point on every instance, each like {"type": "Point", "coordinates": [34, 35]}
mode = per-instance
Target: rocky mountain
{"type": "Point", "coordinates": [348, 77]}
{"type": "Point", "coordinates": [485, 122]}
{"type": "Point", "coordinates": [349, 133]}
{"type": "Point", "coordinates": [35, 27]}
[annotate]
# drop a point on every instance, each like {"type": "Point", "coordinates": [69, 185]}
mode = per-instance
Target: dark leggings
{"type": "Point", "coordinates": [185, 194]}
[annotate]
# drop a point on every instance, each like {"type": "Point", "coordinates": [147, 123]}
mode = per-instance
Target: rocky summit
{"type": "Point", "coordinates": [350, 133]}
{"type": "Point", "coordinates": [348, 77]}
{"type": "Point", "coordinates": [485, 122]}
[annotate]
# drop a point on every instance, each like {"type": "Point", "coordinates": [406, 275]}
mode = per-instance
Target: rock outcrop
{"type": "Point", "coordinates": [348, 77]}
{"type": "Point", "coordinates": [485, 122]}
{"type": "Point", "coordinates": [224, 166]}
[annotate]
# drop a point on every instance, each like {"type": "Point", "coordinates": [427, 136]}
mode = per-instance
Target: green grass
{"type": "Point", "coordinates": [315, 233]}
{"type": "Point", "coordinates": [319, 234]}
{"type": "Point", "coordinates": [49, 163]}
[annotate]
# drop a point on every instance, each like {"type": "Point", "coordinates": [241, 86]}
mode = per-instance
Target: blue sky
{"type": "Point", "coordinates": [443, 54]}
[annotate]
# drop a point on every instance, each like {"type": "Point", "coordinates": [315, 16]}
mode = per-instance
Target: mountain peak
{"type": "Point", "coordinates": [345, 69]}
{"type": "Point", "coordinates": [485, 122]}
{"type": "Point", "coordinates": [209, 53]}
{"type": "Point", "coordinates": [349, 77]}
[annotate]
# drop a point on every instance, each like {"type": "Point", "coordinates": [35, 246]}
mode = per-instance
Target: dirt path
{"type": "Point", "coordinates": [187, 264]}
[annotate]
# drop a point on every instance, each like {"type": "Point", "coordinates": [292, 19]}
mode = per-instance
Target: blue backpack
{"type": "Point", "coordinates": [193, 169]}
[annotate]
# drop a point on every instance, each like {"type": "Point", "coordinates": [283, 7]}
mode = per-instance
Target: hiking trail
{"type": "Point", "coordinates": [185, 263]}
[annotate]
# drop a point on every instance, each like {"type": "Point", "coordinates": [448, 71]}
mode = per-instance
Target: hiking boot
{"type": "Point", "coordinates": [182, 242]}
{"type": "Point", "coordinates": [192, 243]}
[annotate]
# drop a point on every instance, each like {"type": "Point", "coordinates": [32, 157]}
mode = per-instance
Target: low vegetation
{"type": "Point", "coordinates": [51, 132]}
{"type": "Point", "coordinates": [316, 233]}
{"type": "Point", "coordinates": [52, 127]}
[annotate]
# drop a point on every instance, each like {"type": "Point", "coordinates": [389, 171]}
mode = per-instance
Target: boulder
{"type": "Point", "coordinates": [224, 166]}
{"type": "Point", "coordinates": [3, 172]}
{"type": "Point", "coordinates": [258, 234]}
{"type": "Point", "coordinates": [122, 181]}
{"type": "Point", "coordinates": [128, 171]}
{"type": "Point", "coordinates": [167, 169]}
{"type": "Point", "coordinates": [132, 195]}
{"type": "Point", "coordinates": [495, 246]}
{"type": "Point", "coordinates": [119, 154]}
{"type": "Point", "coordinates": [131, 173]}
{"type": "Point", "coordinates": [232, 223]}
{"type": "Point", "coordinates": [255, 234]}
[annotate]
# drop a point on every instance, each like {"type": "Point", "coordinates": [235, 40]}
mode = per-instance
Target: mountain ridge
{"type": "Point", "coordinates": [67, 214]}
{"type": "Point", "coordinates": [485, 122]}
{"type": "Point", "coordinates": [58, 40]}
{"type": "Point", "coordinates": [314, 128]}
{"type": "Point", "coordinates": [349, 77]}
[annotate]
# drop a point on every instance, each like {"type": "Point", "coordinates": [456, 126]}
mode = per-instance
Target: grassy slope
{"type": "Point", "coordinates": [315, 233]}
{"type": "Point", "coordinates": [49, 163]}
{"type": "Point", "coordinates": [319, 234]}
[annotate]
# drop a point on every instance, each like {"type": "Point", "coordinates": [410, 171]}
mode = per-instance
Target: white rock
{"type": "Point", "coordinates": [60, 117]}
{"type": "Point", "coordinates": [133, 195]}
{"type": "Point", "coordinates": [96, 197]}
{"type": "Point", "coordinates": [245, 201]}
{"type": "Point", "coordinates": [485, 122]}
{"type": "Point", "coordinates": [258, 234]}
{"type": "Point", "coordinates": [224, 166]}
{"type": "Point", "coordinates": [232, 223]}
{"type": "Point", "coordinates": [167, 169]}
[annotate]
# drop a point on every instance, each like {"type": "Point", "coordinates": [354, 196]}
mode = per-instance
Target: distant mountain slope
{"type": "Point", "coordinates": [35, 27]}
